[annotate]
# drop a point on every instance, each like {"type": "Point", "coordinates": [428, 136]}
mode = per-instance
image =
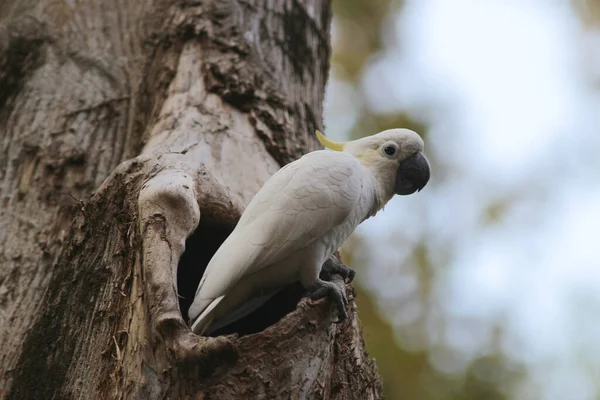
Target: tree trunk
{"type": "Point", "coordinates": [177, 111]}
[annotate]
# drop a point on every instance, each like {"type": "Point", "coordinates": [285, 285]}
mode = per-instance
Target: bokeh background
{"type": "Point", "coordinates": [486, 285]}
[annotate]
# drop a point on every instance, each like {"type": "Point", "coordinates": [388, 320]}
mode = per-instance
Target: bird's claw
{"type": "Point", "coordinates": [329, 289]}
{"type": "Point", "coordinates": [334, 266]}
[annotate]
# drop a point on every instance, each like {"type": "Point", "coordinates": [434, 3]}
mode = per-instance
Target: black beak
{"type": "Point", "coordinates": [413, 174]}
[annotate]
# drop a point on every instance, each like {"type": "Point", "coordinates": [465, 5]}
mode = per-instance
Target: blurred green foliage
{"type": "Point", "coordinates": [589, 12]}
{"type": "Point", "coordinates": [362, 28]}
{"type": "Point", "coordinates": [359, 34]}
{"type": "Point", "coordinates": [410, 374]}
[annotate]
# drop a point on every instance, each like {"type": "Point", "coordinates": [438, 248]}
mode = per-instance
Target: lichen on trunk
{"type": "Point", "coordinates": [182, 110]}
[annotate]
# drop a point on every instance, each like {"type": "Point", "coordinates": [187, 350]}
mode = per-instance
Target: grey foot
{"type": "Point", "coordinates": [334, 266]}
{"type": "Point", "coordinates": [322, 289]}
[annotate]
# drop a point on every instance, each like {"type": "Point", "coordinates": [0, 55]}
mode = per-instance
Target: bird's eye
{"type": "Point", "coordinates": [389, 150]}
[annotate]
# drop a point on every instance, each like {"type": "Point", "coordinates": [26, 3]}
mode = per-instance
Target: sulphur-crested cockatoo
{"type": "Point", "coordinates": [302, 215]}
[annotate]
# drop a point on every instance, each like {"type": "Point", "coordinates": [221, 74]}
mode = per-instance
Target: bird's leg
{"type": "Point", "coordinates": [321, 289]}
{"type": "Point", "coordinates": [335, 266]}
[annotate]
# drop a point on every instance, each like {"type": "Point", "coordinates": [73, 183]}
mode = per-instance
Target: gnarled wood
{"type": "Point", "coordinates": [214, 96]}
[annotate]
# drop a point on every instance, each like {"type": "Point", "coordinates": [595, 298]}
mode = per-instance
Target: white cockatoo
{"type": "Point", "coordinates": [302, 215]}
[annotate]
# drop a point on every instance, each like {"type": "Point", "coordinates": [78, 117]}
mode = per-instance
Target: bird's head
{"type": "Point", "coordinates": [394, 154]}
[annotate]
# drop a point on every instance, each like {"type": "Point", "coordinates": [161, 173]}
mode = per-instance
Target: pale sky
{"type": "Point", "coordinates": [504, 87]}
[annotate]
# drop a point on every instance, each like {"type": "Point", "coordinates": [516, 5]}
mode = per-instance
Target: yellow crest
{"type": "Point", "coordinates": [328, 143]}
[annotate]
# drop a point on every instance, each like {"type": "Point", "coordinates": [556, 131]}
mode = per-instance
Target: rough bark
{"type": "Point", "coordinates": [177, 111]}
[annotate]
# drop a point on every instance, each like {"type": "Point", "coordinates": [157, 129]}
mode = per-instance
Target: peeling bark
{"type": "Point", "coordinates": [177, 112]}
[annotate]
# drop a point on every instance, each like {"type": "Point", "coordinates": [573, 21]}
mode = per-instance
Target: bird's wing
{"type": "Point", "coordinates": [300, 203]}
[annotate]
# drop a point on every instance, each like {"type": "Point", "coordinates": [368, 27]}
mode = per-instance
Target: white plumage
{"type": "Point", "coordinates": [297, 220]}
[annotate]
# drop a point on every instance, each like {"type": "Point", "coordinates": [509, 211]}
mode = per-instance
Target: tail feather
{"type": "Point", "coordinates": [245, 309]}
{"type": "Point", "coordinates": [205, 319]}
